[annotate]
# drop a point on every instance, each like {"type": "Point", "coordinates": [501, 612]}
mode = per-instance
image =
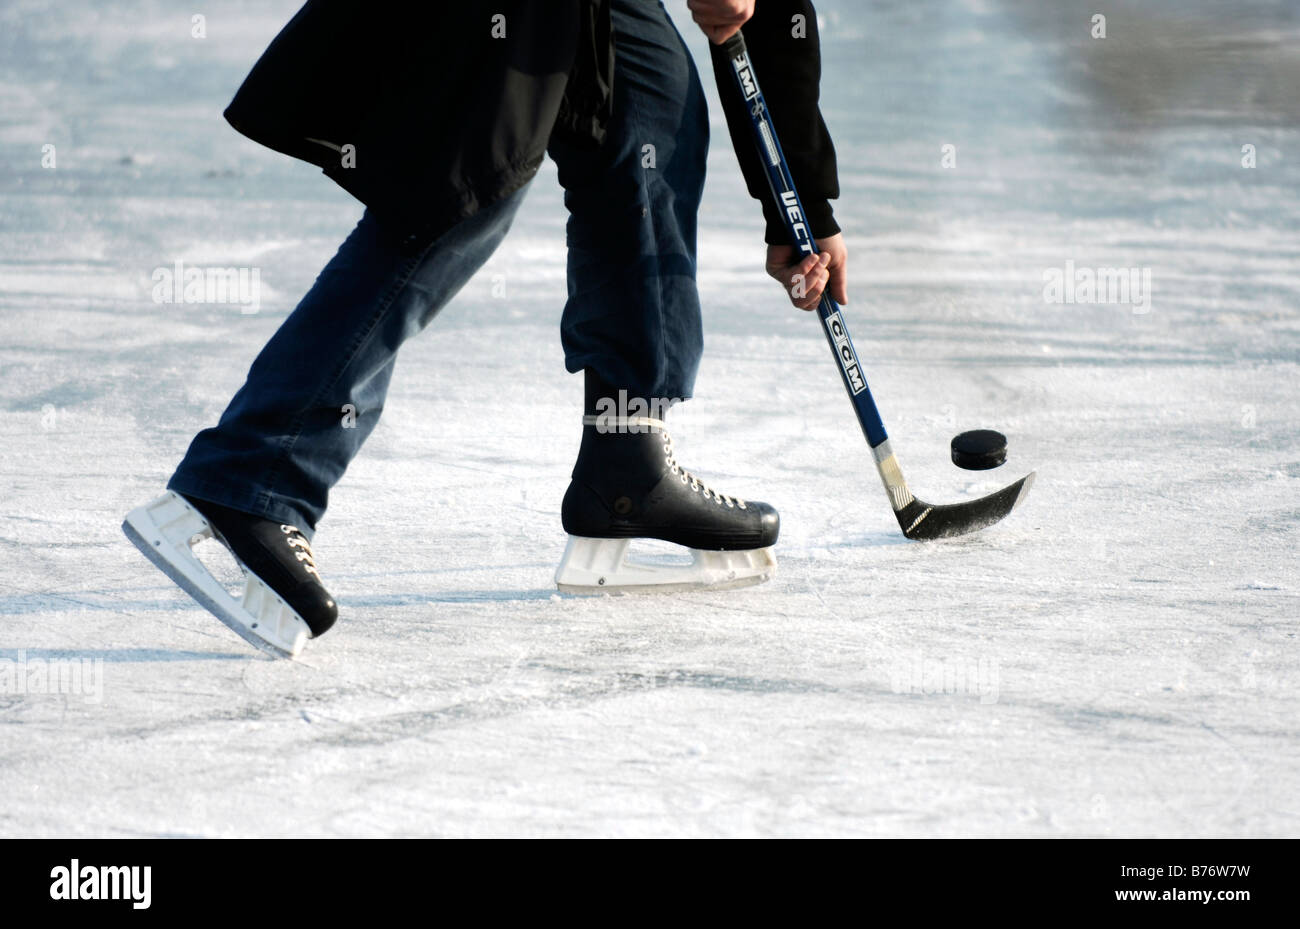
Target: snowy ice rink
{"type": "Point", "coordinates": [1118, 658]}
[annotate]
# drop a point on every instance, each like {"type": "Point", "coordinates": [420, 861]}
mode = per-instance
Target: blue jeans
{"type": "Point", "coordinates": [316, 390]}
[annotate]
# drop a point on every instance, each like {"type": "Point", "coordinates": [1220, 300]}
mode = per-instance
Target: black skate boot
{"type": "Point", "coordinates": [279, 555]}
{"type": "Point", "coordinates": [283, 602]}
{"type": "Point", "coordinates": [626, 485]}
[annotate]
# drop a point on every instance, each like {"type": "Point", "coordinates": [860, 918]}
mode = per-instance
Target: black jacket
{"type": "Point", "coordinates": [429, 116]}
{"type": "Point", "coordinates": [443, 114]}
{"type": "Point", "coordinates": [789, 68]}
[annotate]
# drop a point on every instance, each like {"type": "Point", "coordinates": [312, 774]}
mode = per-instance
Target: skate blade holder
{"type": "Point", "coordinates": [167, 530]}
{"type": "Point", "coordinates": [602, 566]}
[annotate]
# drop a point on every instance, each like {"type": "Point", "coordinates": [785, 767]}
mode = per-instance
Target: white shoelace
{"type": "Point", "coordinates": [694, 482]}
{"type": "Point", "coordinates": [302, 548]}
{"type": "Point", "coordinates": [605, 421]}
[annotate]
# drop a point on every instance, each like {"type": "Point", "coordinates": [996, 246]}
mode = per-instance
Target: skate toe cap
{"type": "Point", "coordinates": [769, 522]}
{"type": "Point", "coordinates": [316, 606]}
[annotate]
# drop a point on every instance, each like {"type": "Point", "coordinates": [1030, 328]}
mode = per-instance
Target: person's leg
{"type": "Point", "coordinates": [632, 323]}
{"type": "Point", "coordinates": [316, 390]}
{"type": "Point", "coordinates": [633, 314]}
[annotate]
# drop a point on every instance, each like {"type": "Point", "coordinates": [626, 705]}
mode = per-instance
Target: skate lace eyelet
{"type": "Point", "coordinates": [301, 548]}
{"type": "Point", "coordinates": [695, 484]}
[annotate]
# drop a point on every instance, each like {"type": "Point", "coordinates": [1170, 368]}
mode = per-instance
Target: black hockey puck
{"type": "Point", "coordinates": [979, 449]}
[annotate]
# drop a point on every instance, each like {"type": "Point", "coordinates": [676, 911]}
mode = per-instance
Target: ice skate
{"type": "Point", "coordinates": [283, 602]}
{"type": "Point", "coordinates": [628, 485]}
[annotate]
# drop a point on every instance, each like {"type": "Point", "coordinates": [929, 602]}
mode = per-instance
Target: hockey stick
{"type": "Point", "coordinates": [918, 520]}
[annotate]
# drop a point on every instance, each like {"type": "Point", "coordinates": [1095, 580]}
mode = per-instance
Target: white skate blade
{"type": "Point", "coordinates": [166, 531]}
{"type": "Point", "coordinates": [601, 566]}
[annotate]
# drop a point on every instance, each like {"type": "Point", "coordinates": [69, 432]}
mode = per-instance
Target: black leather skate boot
{"type": "Point", "coordinates": [627, 484]}
{"type": "Point", "coordinates": [282, 603]}
{"type": "Point", "coordinates": [279, 555]}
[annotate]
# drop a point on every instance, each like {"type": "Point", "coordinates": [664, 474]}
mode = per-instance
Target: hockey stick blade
{"type": "Point", "coordinates": [925, 521]}
{"type": "Point", "coordinates": [917, 519]}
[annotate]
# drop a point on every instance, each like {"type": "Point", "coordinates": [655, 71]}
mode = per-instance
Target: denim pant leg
{"type": "Point", "coordinates": [316, 390]}
{"type": "Point", "coordinates": [633, 313]}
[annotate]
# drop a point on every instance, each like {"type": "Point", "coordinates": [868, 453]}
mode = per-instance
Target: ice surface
{"type": "Point", "coordinates": [1120, 655]}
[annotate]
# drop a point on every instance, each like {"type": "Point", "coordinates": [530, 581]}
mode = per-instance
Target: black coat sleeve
{"type": "Point", "coordinates": [789, 69]}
